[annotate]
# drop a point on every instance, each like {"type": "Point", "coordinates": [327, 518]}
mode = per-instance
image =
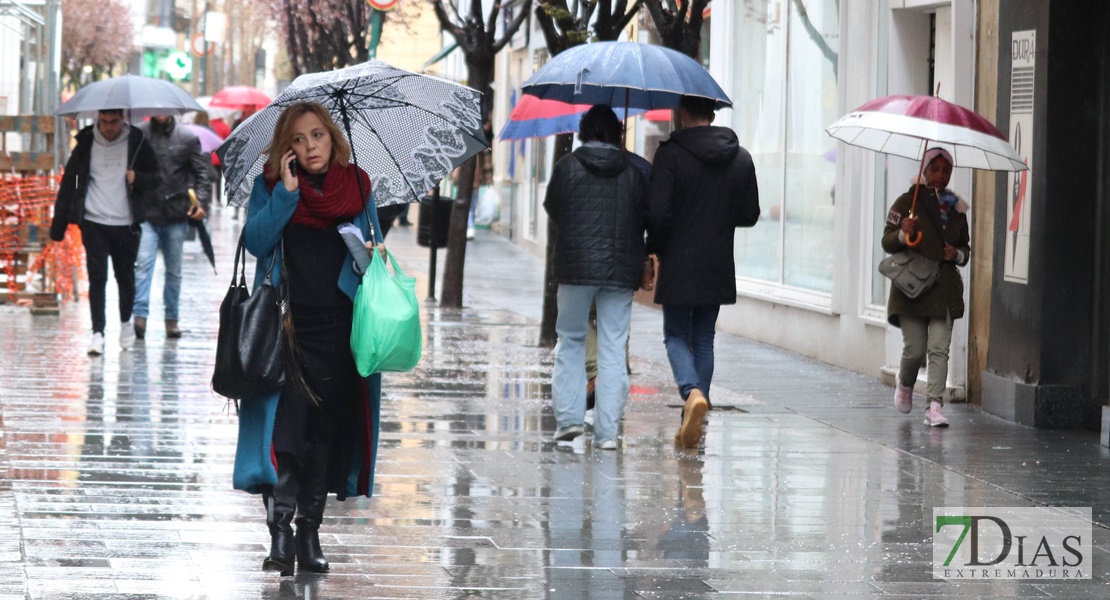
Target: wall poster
{"type": "Point", "coordinates": [1019, 191]}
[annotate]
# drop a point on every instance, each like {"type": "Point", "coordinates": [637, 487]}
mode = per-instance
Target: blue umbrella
{"type": "Point", "coordinates": [624, 74]}
{"type": "Point", "coordinates": [141, 96]}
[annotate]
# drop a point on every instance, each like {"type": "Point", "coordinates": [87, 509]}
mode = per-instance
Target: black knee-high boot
{"type": "Point", "coordinates": [311, 498]}
{"type": "Point", "coordinates": [280, 508]}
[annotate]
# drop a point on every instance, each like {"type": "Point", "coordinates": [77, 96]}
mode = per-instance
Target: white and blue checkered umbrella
{"type": "Point", "coordinates": [624, 74]}
{"type": "Point", "coordinates": [407, 131]}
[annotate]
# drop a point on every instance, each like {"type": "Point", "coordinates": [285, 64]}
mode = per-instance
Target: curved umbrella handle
{"type": "Point", "coordinates": [913, 242]}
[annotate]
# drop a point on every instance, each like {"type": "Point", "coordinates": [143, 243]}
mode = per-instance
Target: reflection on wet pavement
{"type": "Point", "coordinates": [116, 480]}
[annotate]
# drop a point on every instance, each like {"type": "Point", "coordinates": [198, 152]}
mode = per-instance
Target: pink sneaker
{"type": "Point", "coordinates": [934, 417]}
{"type": "Point", "coordinates": [903, 396]}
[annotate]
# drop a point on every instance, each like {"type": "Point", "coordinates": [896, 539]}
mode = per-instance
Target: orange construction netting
{"type": "Point", "coordinates": [26, 208]}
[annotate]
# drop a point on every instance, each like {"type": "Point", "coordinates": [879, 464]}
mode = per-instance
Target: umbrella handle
{"type": "Point", "coordinates": [914, 242]}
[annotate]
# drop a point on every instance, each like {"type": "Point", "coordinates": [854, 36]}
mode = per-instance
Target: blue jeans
{"type": "Point", "coordinates": [170, 239]}
{"type": "Point", "coordinates": [688, 333]}
{"type": "Point", "coordinates": [614, 311]}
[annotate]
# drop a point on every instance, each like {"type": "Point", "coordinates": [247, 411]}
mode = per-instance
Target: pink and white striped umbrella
{"type": "Point", "coordinates": [905, 125]}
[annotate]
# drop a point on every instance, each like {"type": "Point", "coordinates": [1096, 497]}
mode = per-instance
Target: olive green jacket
{"type": "Point", "coordinates": [946, 297]}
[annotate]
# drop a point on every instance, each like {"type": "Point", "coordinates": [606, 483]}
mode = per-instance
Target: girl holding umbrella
{"type": "Point", "coordinates": [929, 219]}
{"type": "Point", "coordinates": [322, 425]}
{"type": "Point", "coordinates": [926, 321]}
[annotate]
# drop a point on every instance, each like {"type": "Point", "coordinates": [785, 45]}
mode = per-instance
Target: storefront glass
{"type": "Point", "coordinates": [785, 94]}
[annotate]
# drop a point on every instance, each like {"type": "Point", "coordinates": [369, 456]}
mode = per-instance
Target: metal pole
{"type": "Point", "coordinates": [204, 54]}
{"type": "Point", "coordinates": [432, 245]}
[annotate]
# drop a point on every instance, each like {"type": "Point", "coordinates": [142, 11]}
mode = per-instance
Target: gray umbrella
{"type": "Point", "coordinates": [140, 96]}
{"type": "Point", "coordinates": [407, 131]}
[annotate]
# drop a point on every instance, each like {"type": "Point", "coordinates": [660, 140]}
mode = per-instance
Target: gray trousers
{"type": "Point", "coordinates": [921, 337]}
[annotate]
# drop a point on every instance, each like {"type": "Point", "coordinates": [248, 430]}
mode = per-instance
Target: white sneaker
{"type": "Point", "coordinates": [96, 346]}
{"type": "Point", "coordinates": [127, 335]}
{"type": "Point", "coordinates": [568, 433]}
{"type": "Point", "coordinates": [608, 445]}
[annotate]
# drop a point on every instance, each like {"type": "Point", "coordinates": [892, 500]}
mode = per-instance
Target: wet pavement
{"type": "Point", "coordinates": [115, 472]}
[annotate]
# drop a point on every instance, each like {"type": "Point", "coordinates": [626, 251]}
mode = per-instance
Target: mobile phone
{"type": "Point", "coordinates": [293, 167]}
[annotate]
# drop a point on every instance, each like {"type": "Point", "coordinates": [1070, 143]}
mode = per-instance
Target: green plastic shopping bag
{"type": "Point", "coordinates": [385, 330]}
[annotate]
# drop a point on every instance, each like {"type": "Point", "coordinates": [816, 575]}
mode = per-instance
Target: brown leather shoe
{"type": "Point", "coordinates": [689, 434]}
{"type": "Point", "coordinates": [172, 330]}
{"type": "Point", "coordinates": [140, 327]}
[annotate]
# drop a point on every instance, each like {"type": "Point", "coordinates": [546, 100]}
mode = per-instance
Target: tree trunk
{"type": "Point", "coordinates": [548, 337]}
{"type": "Point", "coordinates": [480, 78]}
{"type": "Point", "coordinates": [456, 237]}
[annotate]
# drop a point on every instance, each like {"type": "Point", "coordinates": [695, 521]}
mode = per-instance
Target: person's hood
{"type": "Point", "coordinates": [713, 146]}
{"type": "Point", "coordinates": [602, 159]}
{"type": "Point", "coordinates": [124, 134]}
{"type": "Point", "coordinates": [163, 129]}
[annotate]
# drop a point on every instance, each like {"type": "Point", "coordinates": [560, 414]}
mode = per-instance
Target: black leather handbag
{"type": "Point", "coordinates": [250, 346]}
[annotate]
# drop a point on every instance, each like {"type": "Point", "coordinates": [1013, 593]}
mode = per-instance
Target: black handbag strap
{"type": "Point", "coordinates": [240, 251]}
{"type": "Point", "coordinates": [241, 267]}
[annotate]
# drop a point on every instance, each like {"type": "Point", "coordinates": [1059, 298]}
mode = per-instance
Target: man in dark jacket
{"type": "Point", "coordinates": [109, 168]}
{"type": "Point", "coordinates": [166, 216]}
{"type": "Point", "coordinates": [596, 200]}
{"type": "Point", "coordinates": [702, 188]}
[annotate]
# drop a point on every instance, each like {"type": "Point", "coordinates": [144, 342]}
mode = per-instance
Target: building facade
{"type": "Point", "coordinates": [1044, 310]}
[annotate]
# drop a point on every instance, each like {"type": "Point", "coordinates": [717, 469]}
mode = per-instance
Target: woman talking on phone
{"type": "Point", "coordinates": [319, 432]}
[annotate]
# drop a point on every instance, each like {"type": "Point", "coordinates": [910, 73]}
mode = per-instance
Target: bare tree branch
{"type": "Point", "coordinates": [816, 37]}
{"type": "Point", "coordinates": [511, 30]}
{"type": "Point", "coordinates": [448, 22]}
{"type": "Point", "coordinates": [676, 30]}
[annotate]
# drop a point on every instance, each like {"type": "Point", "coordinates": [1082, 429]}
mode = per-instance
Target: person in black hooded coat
{"type": "Point", "coordinates": [703, 187]}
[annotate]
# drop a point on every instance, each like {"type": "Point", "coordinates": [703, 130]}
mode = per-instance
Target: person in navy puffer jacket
{"type": "Point", "coordinates": [596, 198]}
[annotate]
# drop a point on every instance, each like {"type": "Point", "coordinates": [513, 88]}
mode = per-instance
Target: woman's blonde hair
{"type": "Point", "coordinates": [283, 136]}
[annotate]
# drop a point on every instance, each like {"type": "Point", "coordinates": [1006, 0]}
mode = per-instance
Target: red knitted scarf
{"type": "Point", "coordinates": [339, 200]}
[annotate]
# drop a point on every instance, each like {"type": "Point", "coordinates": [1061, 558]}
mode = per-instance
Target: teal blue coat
{"type": "Point", "coordinates": [267, 215]}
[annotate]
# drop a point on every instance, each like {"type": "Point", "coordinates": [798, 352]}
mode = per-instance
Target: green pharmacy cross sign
{"type": "Point", "coordinates": [178, 65]}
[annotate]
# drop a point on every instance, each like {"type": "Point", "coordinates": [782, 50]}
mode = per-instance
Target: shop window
{"type": "Point", "coordinates": [785, 82]}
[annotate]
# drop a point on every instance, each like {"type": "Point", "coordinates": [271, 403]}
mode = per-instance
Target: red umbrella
{"type": "Point", "coordinates": [908, 125]}
{"type": "Point", "coordinates": [533, 117]}
{"type": "Point", "coordinates": [240, 97]}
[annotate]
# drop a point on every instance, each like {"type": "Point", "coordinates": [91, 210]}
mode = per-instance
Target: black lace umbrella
{"type": "Point", "coordinates": [407, 131]}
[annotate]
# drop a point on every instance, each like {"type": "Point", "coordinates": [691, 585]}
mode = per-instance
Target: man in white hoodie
{"type": "Point", "coordinates": [105, 172]}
